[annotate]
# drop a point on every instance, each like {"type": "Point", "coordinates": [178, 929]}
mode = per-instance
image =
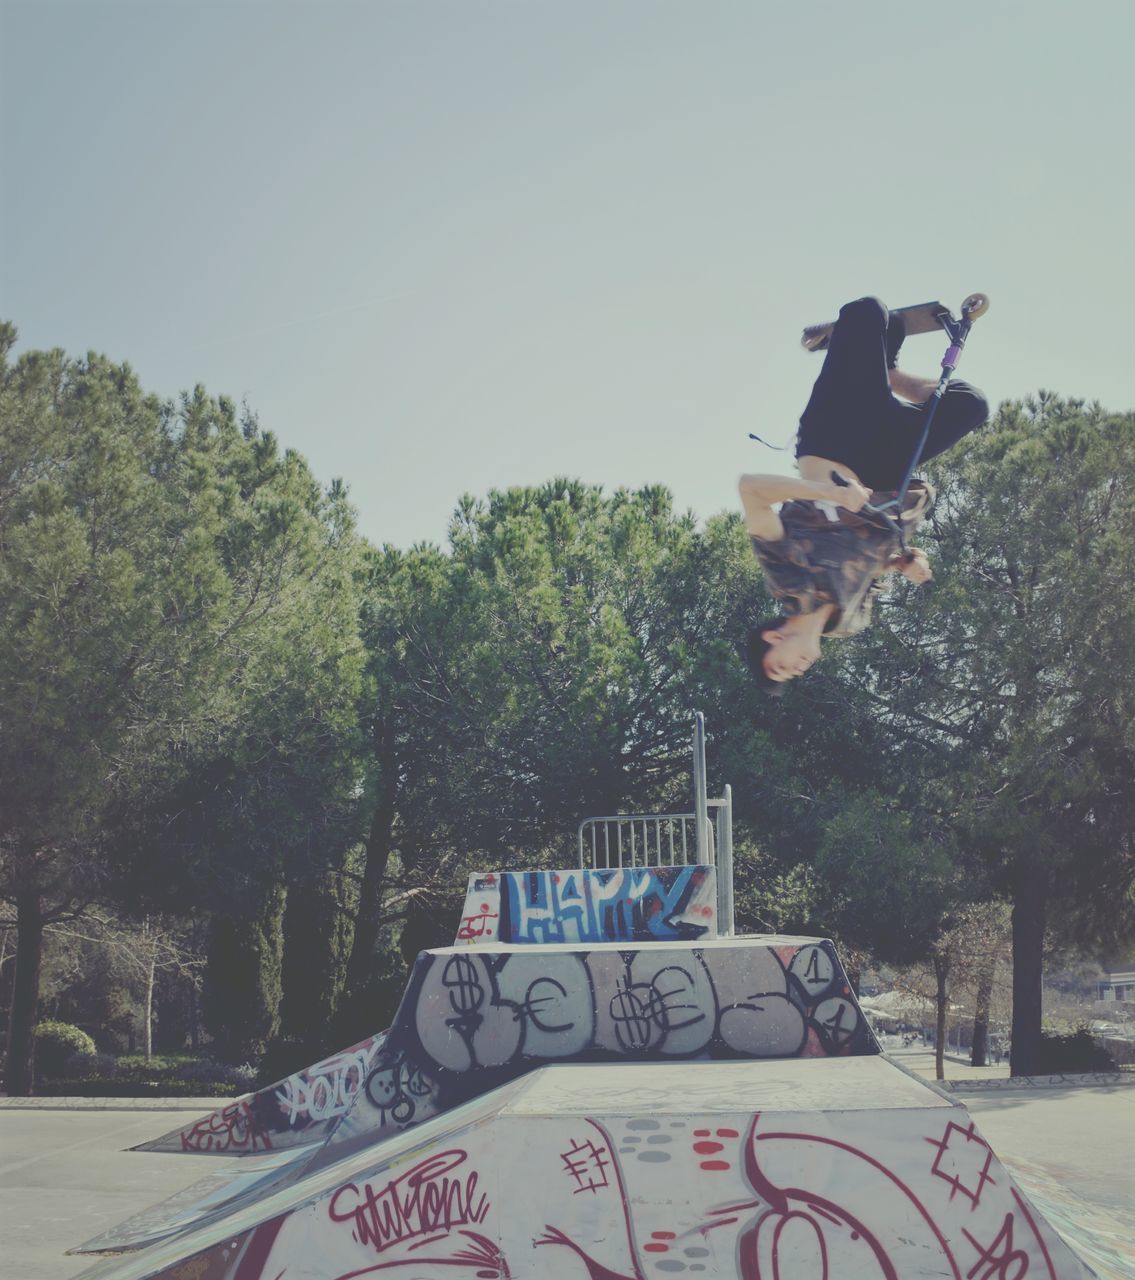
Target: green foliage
{"type": "Point", "coordinates": [891, 887]}
{"type": "Point", "coordinates": [214, 697]}
{"type": "Point", "coordinates": [773, 899]}
{"type": "Point", "coordinates": [545, 669]}
{"type": "Point", "coordinates": [1024, 651]}
{"type": "Point", "coordinates": [242, 989]}
{"type": "Point", "coordinates": [89, 1066]}
{"type": "Point", "coordinates": [179, 659]}
{"type": "Point", "coordinates": [318, 931]}
{"type": "Point", "coordinates": [57, 1042]}
{"type": "Point", "coordinates": [1074, 1052]}
{"type": "Point", "coordinates": [1013, 678]}
{"type": "Point", "coordinates": [171, 1076]}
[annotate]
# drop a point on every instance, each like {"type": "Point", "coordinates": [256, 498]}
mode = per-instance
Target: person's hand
{"type": "Point", "coordinates": [916, 567]}
{"type": "Point", "coordinates": [850, 494]}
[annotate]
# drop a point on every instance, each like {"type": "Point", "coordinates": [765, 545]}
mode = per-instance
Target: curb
{"type": "Point", "coordinates": [113, 1104]}
{"type": "Point", "coordinates": [1013, 1084]}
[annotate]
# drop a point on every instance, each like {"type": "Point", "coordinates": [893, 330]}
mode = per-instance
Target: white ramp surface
{"type": "Point", "coordinates": [826, 1169]}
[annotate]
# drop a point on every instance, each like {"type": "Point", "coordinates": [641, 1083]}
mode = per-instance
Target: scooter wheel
{"type": "Point", "coordinates": [977, 304]}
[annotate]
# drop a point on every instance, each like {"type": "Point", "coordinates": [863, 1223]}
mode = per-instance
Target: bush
{"type": "Point", "coordinates": [1076, 1052]}
{"type": "Point", "coordinates": [56, 1043]}
{"type": "Point", "coordinates": [81, 1066]}
{"type": "Point", "coordinates": [98, 1087]}
{"type": "Point", "coordinates": [86, 1075]}
{"type": "Point", "coordinates": [207, 1071]}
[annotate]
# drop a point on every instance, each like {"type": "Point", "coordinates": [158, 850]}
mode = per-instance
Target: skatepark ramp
{"type": "Point", "coordinates": [823, 1169]}
{"type": "Point", "coordinates": [597, 1081]}
{"type": "Point", "coordinates": [473, 1017]}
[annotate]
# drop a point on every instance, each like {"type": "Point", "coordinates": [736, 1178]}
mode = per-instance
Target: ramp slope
{"type": "Point", "coordinates": [473, 1018]}
{"type": "Point", "coordinates": [298, 1111]}
{"type": "Point", "coordinates": [827, 1169]}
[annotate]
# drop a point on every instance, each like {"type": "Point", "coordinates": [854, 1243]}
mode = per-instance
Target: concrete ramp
{"type": "Point", "coordinates": [299, 1111]}
{"type": "Point", "coordinates": [825, 1169]}
{"type": "Point", "coordinates": [473, 1018]}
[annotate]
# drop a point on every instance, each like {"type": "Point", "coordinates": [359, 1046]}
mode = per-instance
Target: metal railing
{"type": "Point", "coordinates": [669, 839]}
{"type": "Point", "coordinates": [641, 840]}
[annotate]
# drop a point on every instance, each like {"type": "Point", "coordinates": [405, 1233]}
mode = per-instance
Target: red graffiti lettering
{"type": "Point", "coordinates": [419, 1203]}
{"type": "Point", "coordinates": [475, 926]}
{"type": "Point", "coordinates": [232, 1127]}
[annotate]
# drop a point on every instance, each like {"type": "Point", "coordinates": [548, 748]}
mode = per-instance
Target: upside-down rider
{"type": "Point", "coordinates": [822, 549]}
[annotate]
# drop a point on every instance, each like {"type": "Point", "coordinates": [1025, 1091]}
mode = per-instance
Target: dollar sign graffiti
{"type": "Point", "coordinates": [632, 1015]}
{"type": "Point", "coordinates": [460, 978]}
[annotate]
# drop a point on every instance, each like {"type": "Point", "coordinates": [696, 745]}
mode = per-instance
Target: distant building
{"type": "Point", "coordinates": [1119, 984]}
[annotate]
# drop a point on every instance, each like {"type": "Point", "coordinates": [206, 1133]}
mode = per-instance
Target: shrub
{"type": "Point", "coordinates": [207, 1071]}
{"type": "Point", "coordinates": [98, 1087]}
{"type": "Point", "coordinates": [131, 1076]}
{"type": "Point", "coordinates": [56, 1042]}
{"type": "Point", "coordinates": [82, 1066]}
{"type": "Point", "coordinates": [1076, 1052]}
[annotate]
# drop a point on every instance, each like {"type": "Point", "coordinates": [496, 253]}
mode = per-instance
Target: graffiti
{"type": "Point", "coordinates": [670, 1000]}
{"type": "Point", "coordinates": [900, 1190]}
{"type": "Point", "coordinates": [467, 1013]}
{"type": "Point", "coordinates": [397, 1091]}
{"type": "Point", "coordinates": [622, 904]}
{"type": "Point", "coordinates": [473, 1012]}
{"type": "Point", "coordinates": [587, 1164]}
{"type": "Point", "coordinates": [477, 925]}
{"type": "Point", "coordinates": [813, 968]}
{"type": "Point", "coordinates": [1011, 1083]}
{"type": "Point", "coordinates": [328, 1089]}
{"type": "Point", "coordinates": [421, 1202]}
{"type": "Point", "coordinates": [964, 1167]}
{"type": "Point", "coordinates": [836, 1020]}
{"type": "Point", "coordinates": [291, 1112]}
{"type": "Point", "coordinates": [233, 1127]}
{"type": "Point", "coordinates": [998, 1260]}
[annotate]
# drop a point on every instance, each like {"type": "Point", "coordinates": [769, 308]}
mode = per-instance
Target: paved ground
{"type": "Point", "coordinates": [1083, 1134]}
{"type": "Point", "coordinates": [65, 1176]}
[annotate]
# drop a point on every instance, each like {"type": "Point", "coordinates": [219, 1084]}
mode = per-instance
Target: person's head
{"type": "Point", "coordinates": [782, 649]}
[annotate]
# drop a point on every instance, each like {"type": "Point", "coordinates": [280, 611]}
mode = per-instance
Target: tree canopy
{"type": "Point", "coordinates": [216, 699]}
{"type": "Point", "coordinates": [168, 608]}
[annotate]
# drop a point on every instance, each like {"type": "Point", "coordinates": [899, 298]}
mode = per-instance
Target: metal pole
{"type": "Point", "coordinates": [725, 923]}
{"type": "Point", "coordinates": [701, 814]}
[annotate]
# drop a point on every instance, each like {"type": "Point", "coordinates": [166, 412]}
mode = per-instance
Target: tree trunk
{"type": "Point", "coordinates": [380, 842]}
{"type": "Point", "coordinates": [19, 1066]}
{"type": "Point", "coordinates": [979, 1054]}
{"type": "Point", "coordinates": [1028, 969]}
{"type": "Point", "coordinates": [195, 1015]}
{"type": "Point", "coordinates": [149, 1011]}
{"type": "Point", "coordinates": [941, 970]}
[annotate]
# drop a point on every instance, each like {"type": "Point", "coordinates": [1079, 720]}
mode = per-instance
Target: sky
{"type": "Point", "coordinates": [446, 246]}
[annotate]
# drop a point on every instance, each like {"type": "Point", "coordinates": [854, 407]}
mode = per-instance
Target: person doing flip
{"type": "Point", "coordinates": [823, 550]}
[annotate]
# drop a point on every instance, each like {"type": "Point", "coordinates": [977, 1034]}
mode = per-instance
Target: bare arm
{"type": "Point", "coordinates": [760, 494]}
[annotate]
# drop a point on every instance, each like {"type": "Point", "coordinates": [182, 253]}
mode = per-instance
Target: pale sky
{"type": "Point", "coordinates": [443, 247]}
